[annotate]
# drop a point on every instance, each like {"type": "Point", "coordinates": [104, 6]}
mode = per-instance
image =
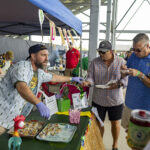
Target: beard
{"type": "Point", "coordinates": [40, 65]}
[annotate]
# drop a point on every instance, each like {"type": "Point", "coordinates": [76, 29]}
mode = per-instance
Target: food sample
{"type": "Point", "coordinates": [50, 129]}
{"type": "Point", "coordinates": [31, 128]}
{"type": "Point", "coordinates": [57, 132]}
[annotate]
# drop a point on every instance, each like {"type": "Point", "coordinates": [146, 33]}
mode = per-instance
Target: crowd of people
{"type": "Point", "coordinates": [24, 78]}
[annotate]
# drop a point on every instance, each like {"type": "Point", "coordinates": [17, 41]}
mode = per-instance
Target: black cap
{"type": "Point", "coordinates": [70, 43]}
{"type": "Point", "coordinates": [36, 48]}
{"type": "Point", "coordinates": [104, 46]}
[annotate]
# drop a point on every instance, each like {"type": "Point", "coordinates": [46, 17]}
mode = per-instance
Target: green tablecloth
{"type": "Point", "coordinates": [34, 144]}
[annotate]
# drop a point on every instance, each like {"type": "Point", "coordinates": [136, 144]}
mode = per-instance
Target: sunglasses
{"type": "Point", "coordinates": [101, 52]}
{"type": "Point", "coordinates": [138, 50]}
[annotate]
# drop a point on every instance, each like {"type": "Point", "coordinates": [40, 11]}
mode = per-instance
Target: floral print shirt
{"type": "Point", "coordinates": [11, 102]}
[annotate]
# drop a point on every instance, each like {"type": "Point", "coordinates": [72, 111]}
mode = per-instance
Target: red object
{"type": "Point", "coordinates": [139, 123]}
{"type": "Point", "coordinates": [52, 83]}
{"type": "Point", "coordinates": [142, 113]}
{"type": "Point", "coordinates": [73, 89]}
{"type": "Point", "coordinates": [72, 58]}
{"type": "Point", "coordinates": [17, 121]}
{"type": "Point", "coordinates": [45, 88]}
{"type": "Point", "coordinates": [39, 94]}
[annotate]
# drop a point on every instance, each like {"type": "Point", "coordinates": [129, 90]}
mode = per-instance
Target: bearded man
{"type": "Point", "coordinates": [18, 89]}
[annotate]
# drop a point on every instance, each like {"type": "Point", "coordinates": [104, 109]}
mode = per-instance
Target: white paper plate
{"type": "Point", "coordinates": [106, 86]}
{"type": "Point", "coordinates": [102, 86]}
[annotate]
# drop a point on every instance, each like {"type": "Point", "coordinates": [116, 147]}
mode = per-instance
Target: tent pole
{"type": "Point", "coordinates": [51, 47]}
{"type": "Point", "coordinates": [80, 56]}
{"type": "Point", "coordinates": [108, 24]}
{"type": "Point", "coordinates": [114, 21]}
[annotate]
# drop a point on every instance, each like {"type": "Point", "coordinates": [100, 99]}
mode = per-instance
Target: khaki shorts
{"type": "Point", "coordinates": [125, 117]}
{"type": "Point", "coordinates": [2, 130]}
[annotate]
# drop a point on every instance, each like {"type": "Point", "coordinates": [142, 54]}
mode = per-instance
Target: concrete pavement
{"type": "Point", "coordinates": [107, 139]}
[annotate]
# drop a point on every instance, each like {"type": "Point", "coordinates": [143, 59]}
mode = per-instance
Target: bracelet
{"type": "Point", "coordinates": [138, 73]}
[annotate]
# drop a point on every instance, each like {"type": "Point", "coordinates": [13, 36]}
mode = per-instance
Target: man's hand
{"type": "Point", "coordinates": [77, 79]}
{"type": "Point", "coordinates": [115, 85]}
{"type": "Point", "coordinates": [129, 71]}
{"type": "Point", "coordinates": [112, 86]}
{"type": "Point", "coordinates": [86, 83]}
{"type": "Point", "coordinates": [134, 72]}
{"type": "Point", "coordinates": [124, 71]}
{"type": "Point", "coordinates": [123, 67]}
{"type": "Point", "coordinates": [43, 109]}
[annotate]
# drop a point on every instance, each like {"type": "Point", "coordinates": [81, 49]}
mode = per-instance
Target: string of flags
{"type": "Point", "coordinates": [52, 30]}
{"type": "Point", "coordinates": [64, 34]}
{"type": "Point", "coordinates": [41, 20]}
{"type": "Point", "coordinates": [61, 35]}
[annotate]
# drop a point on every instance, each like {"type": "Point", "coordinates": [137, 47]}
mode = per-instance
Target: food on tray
{"type": "Point", "coordinates": [30, 129]}
{"type": "Point", "coordinates": [57, 132]}
{"type": "Point", "coordinates": [50, 129]}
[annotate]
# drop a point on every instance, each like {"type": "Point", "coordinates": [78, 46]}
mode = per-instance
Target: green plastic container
{"type": "Point", "coordinates": [63, 104]}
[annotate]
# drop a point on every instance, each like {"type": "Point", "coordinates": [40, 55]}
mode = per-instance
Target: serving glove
{"type": "Point", "coordinates": [77, 79]}
{"type": "Point", "coordinates": [43, 109]}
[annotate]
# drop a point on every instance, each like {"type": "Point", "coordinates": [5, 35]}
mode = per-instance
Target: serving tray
{"type": "Point", "coordinates": [31, 129]}
{"type": "Point", "coordinates": [57, 132]}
